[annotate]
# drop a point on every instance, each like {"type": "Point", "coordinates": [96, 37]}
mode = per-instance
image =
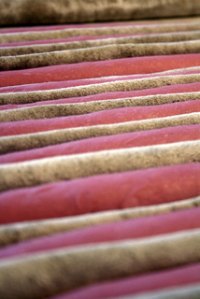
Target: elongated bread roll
{"type": "Point", "coordinates": [79, 11]}
{"type": "Point", "coordinates": [45, 274]}
{"type": "Point", "coordinates": [74, 166]}
{"type": "Point", "coordinates": [14, 233]}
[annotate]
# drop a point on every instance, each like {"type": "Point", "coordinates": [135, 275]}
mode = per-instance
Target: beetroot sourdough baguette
{"type": "Point", "coordinates": [88, 81]}
{"type": "Point", "coordinates": [169, 26]}
{"type": "Point", "coordinates": [125, 140]}
{"type": "Point", "coordinates": [100, 193]}
{"type": "Point", "coordinates": [102, 53]}
{"type": "Point", "coordinates": [103, 261]}
{"type": "Point", "coordinates": [169, 89]}
{"type": "Point", "coordinates": [41, 28]}
{"type": "Point", "coordinates": [115, 86]}
{"type": "Point", "coordinates": [81, 11]}
{"type": "Point", "coordinates": [179, 276]}
{"type": "Point", "coordinates": [129, 229]}
{"type": "Point", "coordinates": [14, 233]}
{"type": "Point", "coordinates": [135, 65]}
{"type": "Point", "coordinates": [108, 116]}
